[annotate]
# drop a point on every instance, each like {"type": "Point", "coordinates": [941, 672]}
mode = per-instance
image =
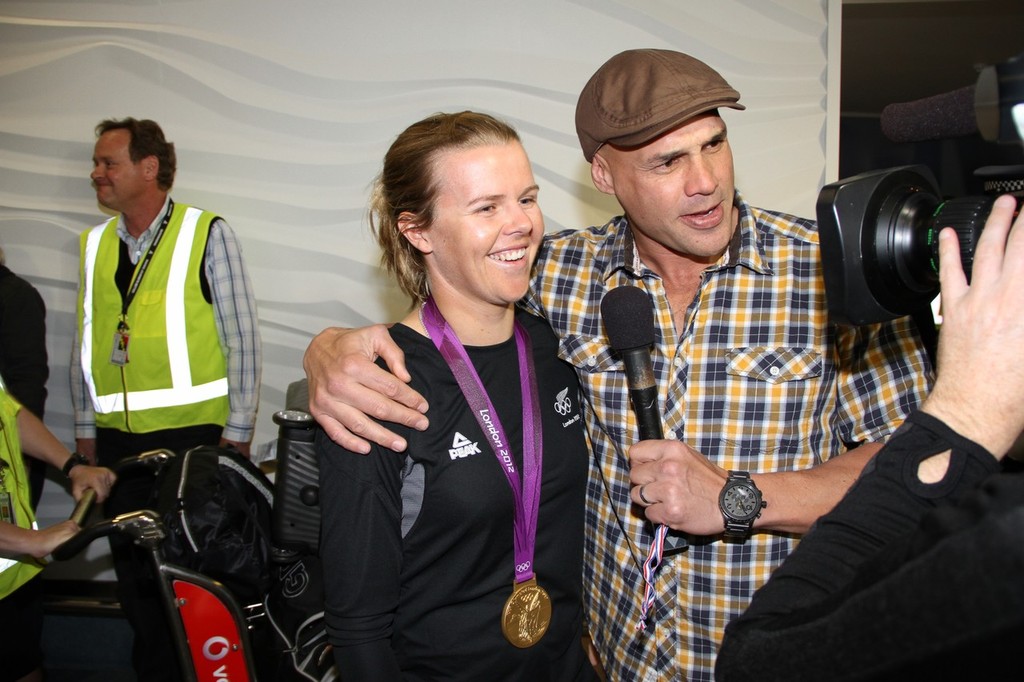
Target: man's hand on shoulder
{"type": "Point", "coordinates": [348, 391]}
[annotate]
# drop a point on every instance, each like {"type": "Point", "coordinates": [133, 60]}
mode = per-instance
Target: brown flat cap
{"type": "Point", "coordinates": [638, 95]}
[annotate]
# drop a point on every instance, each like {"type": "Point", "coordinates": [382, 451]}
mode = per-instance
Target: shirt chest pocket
{"type": "Point", "coordinates": [590, 355]}
{"type": "Point", "coordinates": [774, 365]}
{"type": "Point", "coordinates": [151, 297]}
{"type": "Point", "coordinates": [149, 315]}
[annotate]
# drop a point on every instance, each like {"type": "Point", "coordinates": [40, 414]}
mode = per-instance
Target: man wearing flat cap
{"type": "Point", "coordinates": [769, 410]}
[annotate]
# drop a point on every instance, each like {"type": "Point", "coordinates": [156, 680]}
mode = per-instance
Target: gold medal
{"type": "Point", "coordinates": [526, 615]}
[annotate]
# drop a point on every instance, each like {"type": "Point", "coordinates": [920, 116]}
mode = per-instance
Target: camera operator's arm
{"type": "Point", "coordinates": [347, 388]}
{"type": "Point", "coordinates": [872, 587]}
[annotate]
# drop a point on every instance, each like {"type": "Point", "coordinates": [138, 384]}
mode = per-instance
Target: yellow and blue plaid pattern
{"type": "Point", "coordinates": [755, 378]}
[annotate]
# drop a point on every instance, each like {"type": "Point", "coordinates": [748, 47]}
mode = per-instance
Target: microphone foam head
{"type": "Point", "coordinates": [951, 114]}
{"type": "Point", "coordinates": [628, 316]}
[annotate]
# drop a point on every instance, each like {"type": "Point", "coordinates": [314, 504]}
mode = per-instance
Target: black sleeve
{"type": "Point", "coordinates": [370, 662]}
{"type": "Point", "coordinates": [894, 575]}
{"type": "Point", "coordinates": [361, 554]}
{"type": "Point", "coordinates": [23, 360]}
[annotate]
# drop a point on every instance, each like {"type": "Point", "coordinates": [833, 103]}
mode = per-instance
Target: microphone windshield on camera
{"type": "Point", "coordinates": [951, 114]}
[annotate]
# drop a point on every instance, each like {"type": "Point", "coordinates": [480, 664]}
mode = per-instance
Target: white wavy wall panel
{"type": "Point", "coordinates": [281, 113]}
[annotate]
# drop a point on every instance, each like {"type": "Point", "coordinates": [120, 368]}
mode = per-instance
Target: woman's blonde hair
{"type": "Point", "coordinates": [408, 184]}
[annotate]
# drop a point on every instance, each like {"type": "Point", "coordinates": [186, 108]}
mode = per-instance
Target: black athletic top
{"type": "Point", "coordinates": [417, 548]}
{"type": "Point", "coordinates": [901, 581]}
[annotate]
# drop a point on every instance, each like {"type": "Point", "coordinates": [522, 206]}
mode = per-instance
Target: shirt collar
{"type": "Point", "coordinates": [746, 248]}
{"type": "Point", "coordinates": [143, 239]}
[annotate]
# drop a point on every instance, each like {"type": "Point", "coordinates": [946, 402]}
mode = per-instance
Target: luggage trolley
{"type": "Point", "coordinates": [213, 633]}
{"type": "Point", "coordinates": [211, 630]}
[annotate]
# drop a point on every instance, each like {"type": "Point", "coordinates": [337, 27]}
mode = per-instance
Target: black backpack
{"type": "Point", "coordinates": [217, 508]}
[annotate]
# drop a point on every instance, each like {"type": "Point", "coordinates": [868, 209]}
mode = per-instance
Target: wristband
{"type": "Point", "coordinates": [73, 461]}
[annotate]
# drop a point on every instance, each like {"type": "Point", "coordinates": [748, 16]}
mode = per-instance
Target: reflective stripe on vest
{"type": "Point", "coordinates": [15, 572]}
{"type": "Point", "coordinates": [181, 392]}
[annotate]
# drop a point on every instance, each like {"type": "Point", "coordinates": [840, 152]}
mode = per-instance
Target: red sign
{"type": "Point", "coordinates": [213, 636]}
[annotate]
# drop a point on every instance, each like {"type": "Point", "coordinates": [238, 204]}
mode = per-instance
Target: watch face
{"type": "Point", "coordinates": [741, 502]}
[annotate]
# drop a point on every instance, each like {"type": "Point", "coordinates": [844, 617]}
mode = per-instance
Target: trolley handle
{"type": "Point", "coordinates": [80, 540]}
{"type": "Point", "coordinates": [83, 506]}
{"type": "Point", "coordinates": [153, 459]}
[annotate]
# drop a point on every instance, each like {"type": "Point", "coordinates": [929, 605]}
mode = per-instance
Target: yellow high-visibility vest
{"type": "Point", "coordinates": [15, 572]}
{"type": "Point", "coordinates": [176, 374]}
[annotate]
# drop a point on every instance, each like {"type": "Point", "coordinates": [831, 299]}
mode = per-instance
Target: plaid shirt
{"type": "Point", "coordinates": [755, 378]}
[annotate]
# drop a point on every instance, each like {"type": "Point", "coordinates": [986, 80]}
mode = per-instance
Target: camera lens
{"type": "Point", "coordinates": [906, 244]}
{"type": "Point", "coordinates": [898, 249]}
{"type": "Point", "coordinates": [967, 216]}
{"type": "Point", "coordinates": [879, 236]}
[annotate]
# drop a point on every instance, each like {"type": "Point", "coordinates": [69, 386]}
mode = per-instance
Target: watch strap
{"type": "Point", "coordinates": [737, 529]}
{"type": "Point", "coordinates": [74, 460]}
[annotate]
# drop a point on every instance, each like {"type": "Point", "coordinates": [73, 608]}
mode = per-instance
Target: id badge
{"type": "Point", "coordinates": [119, 354]}
{"type": "Point", "coordinates": [6, 508]}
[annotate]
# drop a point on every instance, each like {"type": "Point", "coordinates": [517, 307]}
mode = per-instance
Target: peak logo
{"type": "Point", "coordinates": [462, 447]}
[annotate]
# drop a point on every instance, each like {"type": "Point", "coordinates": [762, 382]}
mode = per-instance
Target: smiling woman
{"type": "Point", "coordinates": [478, 250]}
{"type": "Point", "coordinates": [462, 559]}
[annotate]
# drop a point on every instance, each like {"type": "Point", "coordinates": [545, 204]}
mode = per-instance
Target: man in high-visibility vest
{"type": "Point", "coordinates": [167, 352]}
{"type": "Point", "coordinates": [23, 545]}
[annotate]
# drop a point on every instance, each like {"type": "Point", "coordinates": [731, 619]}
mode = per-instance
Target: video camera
{"type": "Point", "coordinates": [879, 230]}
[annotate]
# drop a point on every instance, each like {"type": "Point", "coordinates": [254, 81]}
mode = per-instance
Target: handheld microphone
{"type": "Point", "coordinates": [628, 316]}
{"type": "Point", "coordinates": [951, 114]}
{"type": "Point", "coordinates": [629, 322]}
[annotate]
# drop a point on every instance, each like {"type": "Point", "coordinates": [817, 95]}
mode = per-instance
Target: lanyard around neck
{"type": "Point", "coordinates": [140, 271]}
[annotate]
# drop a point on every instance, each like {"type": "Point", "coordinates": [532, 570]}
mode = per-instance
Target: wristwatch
{"type": "Point", "coordinates": [73, 461]}
{"type": "Point", "coordinates": [741, 503]}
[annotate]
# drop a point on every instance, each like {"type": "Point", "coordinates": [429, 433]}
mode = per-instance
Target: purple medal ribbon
{"type": "Point", "coordinates": [526, 496]}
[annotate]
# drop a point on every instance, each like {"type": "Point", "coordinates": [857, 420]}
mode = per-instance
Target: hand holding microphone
{"type": "Point", "coordinates": [628, 316]}
{"type": "Point", "coordinates": [688, 484]}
